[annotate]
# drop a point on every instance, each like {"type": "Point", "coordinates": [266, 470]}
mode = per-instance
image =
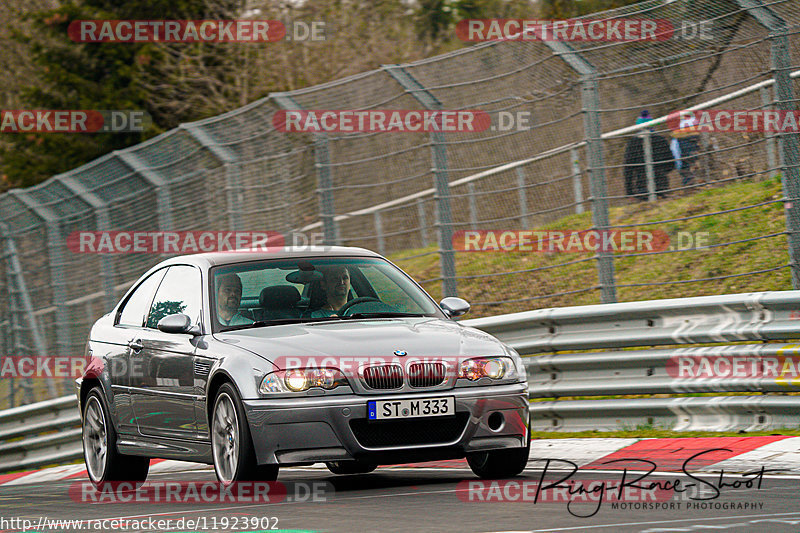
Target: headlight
{"type": "Point", "coordinates": [302, 379]}
{"type": "Point", "coordinates": [487, 367]}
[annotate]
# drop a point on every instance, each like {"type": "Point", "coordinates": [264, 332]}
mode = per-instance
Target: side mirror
{"type": "Point", "coordinates": [178, 323]}
{"type": "Point", "coordinates": [454, 307]}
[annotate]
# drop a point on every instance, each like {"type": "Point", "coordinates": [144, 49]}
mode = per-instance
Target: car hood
{"type": "Point", "coordinates": [418, 337]}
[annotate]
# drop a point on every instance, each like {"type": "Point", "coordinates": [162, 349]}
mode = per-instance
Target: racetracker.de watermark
{"type": "Point", "coordinates": [187, 242]}
{"type": "Point", "coordinates": [735, 121]}
{"type": "Point", "coordinates": [201, 492]}
{"type": "Point", "coordinates": [576, 241]}
{"type": "Point", "coordinates": [43, 366]}
{"type": "Point", "coordinates": [176, 31]}
{"type": "Point", "coordinates": [780, 368]}
{"type": "Point", "coordinates": [380, 120]}
{"type": "Point", "coordinates": [73, 121]}
{"type": "Point", "coordinates": [584, 30]}
{"type": "Point", "coordinates": [578, 490]}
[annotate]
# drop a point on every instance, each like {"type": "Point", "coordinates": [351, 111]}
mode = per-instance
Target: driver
{"type": "Point", "coordinates": [336, 283]}
{"type": "Point", "coordinates": [229, 296]}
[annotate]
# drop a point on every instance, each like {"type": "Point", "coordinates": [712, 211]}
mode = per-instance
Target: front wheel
{"type": "Point", "coordinates": [104, 464]}
{"type": "Point", "coordinates": [231, 444]}
{"type": "Point", "coordinates": [500, 464]}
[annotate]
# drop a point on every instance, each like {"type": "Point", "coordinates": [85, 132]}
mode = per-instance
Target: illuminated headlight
{"type": "Point", "coordinates": [487, 367]}
{"type": "Point", "coordinates": [302, 379]}
{"type": "Point", "coordinates": [296, 380]}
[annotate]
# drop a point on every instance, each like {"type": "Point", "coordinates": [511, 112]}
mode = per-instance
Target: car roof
{"type": "Point", "coordinates": [212, 259]}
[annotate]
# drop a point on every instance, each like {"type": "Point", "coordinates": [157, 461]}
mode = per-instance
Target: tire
{"type": "Point", "coordinates": [500, 464]}
{"type": "Point", "coordinates": [350, 467]}
{"type": "Point", "coordinates": [232, 444]}
{"type": "Point", "coordinates": [104, 463]}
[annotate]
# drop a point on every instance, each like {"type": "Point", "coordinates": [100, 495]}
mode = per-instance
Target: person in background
{"type": "Point", "coordinates": [688, 140]}
{"type": "Point", "coordinates": [643, 117]}
{"type": "Point", "coordinates": [635, 171]}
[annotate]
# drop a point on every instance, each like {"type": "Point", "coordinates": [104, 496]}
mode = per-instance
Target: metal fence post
{"type": "Point", "coordinates": [423, 223]}
{"type": "Point", "coordinates": [788, 143]}
{"type": "Point", "coordinates": [595, 162]}
{"type": "Point", "coordinates": [577, 179]}
{"type": "Point", "coordinates": [473, 206]}
{"type": "Point", "coordinates": [107, 277]}
{"type": "Point", "coordinates": [20, 304]}
{"type": "Point", "coordinates": [444, 216]}
{"type": "Point", "coordinates": [322, 162]}
{"type": "Point", "coordinates": [163, 202]}
{"type": "Point", "coordinates": [523, 198]}
{"type": "Point", "coordinates": [55, 248]}
{"type": "Point", "coordinates": [769, 137]}
{"type": "Point", "coordinates": [789, 146]}
{"type": "Point", "coordinates": [597, 180]}
{"type": "Point", "coordinates": [379, 233]}
{"type": "Point", "coordinates": [647, 146]}
{"type": "Point", "coordinates": [230, 164]}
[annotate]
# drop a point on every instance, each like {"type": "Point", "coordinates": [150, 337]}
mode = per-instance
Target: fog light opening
{"type": "Point", "coordinates": [496, 421]}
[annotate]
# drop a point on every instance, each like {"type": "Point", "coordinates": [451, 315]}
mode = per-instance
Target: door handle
{"type": "Point", "coordinates": [136, 346]}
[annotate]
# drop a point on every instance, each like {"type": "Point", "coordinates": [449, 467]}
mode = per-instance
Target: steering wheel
{"type": "Point", "coordinates": [356, 301]}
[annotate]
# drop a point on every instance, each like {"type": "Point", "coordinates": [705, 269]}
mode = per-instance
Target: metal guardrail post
{"type": "Point", "coordinates": [103, 224]}
{"type": "Point", "coordinates": [441, 181]}
{"type": "Point", "coordinates": [788, 143]}
{"type": "Point", "coordinates": [230, 164]}
{"type": "Point", "coordinates": [595, 161]}
{"type": "Point", "coordinates": [155, 179]}
{"type": "Point", "coordinates": [322, 162]}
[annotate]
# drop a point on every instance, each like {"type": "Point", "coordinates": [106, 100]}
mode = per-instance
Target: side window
{"type": "Point", "coordinates": [179, 292]}
{"type": "Point", "coordinates": [138, 305]}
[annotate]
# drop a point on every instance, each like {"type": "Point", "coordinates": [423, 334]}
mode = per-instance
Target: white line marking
{"type": "Point", "coordinates": [663, 522]}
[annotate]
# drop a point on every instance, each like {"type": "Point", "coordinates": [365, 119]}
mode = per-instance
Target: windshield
{"type": "Point", "coordinates": [272, 292]}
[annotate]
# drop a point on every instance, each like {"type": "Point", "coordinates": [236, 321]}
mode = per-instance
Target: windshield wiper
{"type": "Point", "coordinates": [388, 314]}
{"type": "Point", "coordinates": [278, 321]}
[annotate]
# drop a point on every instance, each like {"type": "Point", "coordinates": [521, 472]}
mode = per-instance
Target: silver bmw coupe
{"type": "Point", "coordinates": [252, 360]}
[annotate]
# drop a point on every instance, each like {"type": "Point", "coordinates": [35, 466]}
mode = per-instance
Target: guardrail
{"type": "Point", "coordinates": [758, 372]}
{"type": "Point", "coordinates": [49, 432]}
{"type": "Point", "coordinates": [40, 434]}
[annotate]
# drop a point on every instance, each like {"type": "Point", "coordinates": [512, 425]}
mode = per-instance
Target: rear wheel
{"type": "Point", "coordinates": [231, 443]}
{"type": "Point", "coordinates": [104, 463]}
{"type": "Point", "coordinates": [500, 464]}
{"type": "Point", "coordinates": [351, 467]}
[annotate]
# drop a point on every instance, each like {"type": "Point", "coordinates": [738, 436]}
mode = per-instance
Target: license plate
{"type": "Point", "coordinates": [417, 407]}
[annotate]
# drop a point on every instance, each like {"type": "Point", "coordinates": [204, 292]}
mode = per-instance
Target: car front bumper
{"type": "Point", "coordinates": [335, 428]}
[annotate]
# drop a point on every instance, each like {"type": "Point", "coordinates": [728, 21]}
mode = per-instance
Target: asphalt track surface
{"type": "Point", "coordinates": [413, 499]}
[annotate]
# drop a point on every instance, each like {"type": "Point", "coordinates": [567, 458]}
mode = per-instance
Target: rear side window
{"type": "Point", "coordinates": [179, 292]}
{"type": "Point", "coordinates": [138, 305]}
